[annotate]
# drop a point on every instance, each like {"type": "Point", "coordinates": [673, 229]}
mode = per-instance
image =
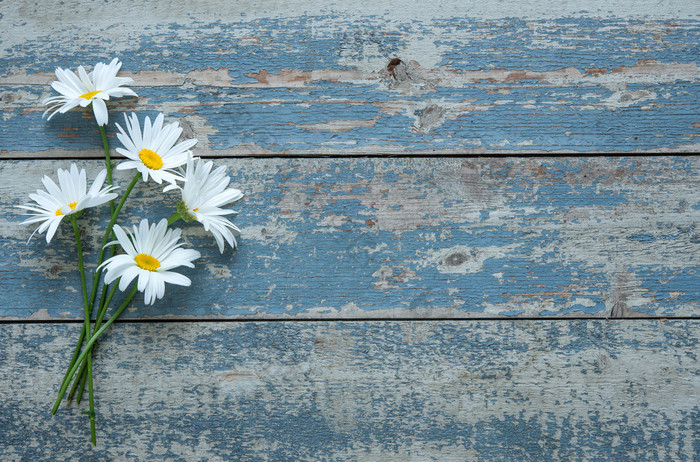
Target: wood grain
{"type": "Point", "coordinates": [364, 275]}
{"type": "Point", "coordinates": [400, 238]}
{"type": "Point", "coordinates": [319, 79]}
{"type": "Point", "coordinates": [391, 391]}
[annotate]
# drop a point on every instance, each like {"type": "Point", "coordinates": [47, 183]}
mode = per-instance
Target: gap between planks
{"type": "Point", "coordinates": [491, 154]}
{"type": "Point", "coordinates": [193, 319]}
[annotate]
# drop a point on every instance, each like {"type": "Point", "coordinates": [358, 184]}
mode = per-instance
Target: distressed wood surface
{"type": "Point", "coordinates": [386, 236]}
{"type": "Point", "coordinates": [404, 238]}
{"type": "Point", "coordinates": [391, 391]}
{"type": "Point", "coordinates": [356, 79]}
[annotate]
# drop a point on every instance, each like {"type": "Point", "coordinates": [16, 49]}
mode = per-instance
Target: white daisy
{"type": "Point", "coordinates": [69, 197]}
{"type": "Point", "coordinates": [151, 252]}
{"type": "Point", "coordinates": [84, 89]}
{"type": "Point", "coordinates": [154, 153]}
{"type": "Point", "coordinates": [203, 195]}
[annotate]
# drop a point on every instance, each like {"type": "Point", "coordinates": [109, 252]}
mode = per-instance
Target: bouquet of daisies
{"type": "Point", "coordinates": [148, 255]}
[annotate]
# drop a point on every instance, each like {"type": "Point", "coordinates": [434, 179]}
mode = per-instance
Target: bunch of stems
{"type": "Point", "coordinates": [80, 367]}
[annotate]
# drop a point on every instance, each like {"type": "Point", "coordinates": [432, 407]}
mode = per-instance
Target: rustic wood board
{"type": "Point", "coordinates": [389, 391]}
{"type": "Point", "coordinates": [401, 238]}
{"type": "Point", "coordinates": [344, 261]}
{"type": "Point", "coordinates": [316, 78]}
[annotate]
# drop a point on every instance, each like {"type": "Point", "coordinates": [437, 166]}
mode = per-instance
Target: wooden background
{"type": "Point", "coordinates": [469, 233]}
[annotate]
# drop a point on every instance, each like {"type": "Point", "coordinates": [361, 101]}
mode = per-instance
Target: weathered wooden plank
{"type": "Point", "coordinates": [498, 390]}
{"type": "Point", "coordinates": [403, 238]}
{"type": "Point", "coordinates": [295, 82]}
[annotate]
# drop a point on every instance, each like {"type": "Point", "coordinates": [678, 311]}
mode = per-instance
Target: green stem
{"type": "Point", "coordinates": [82, 375]}
{"type": "Point", "coordinates": [89, 344]}
{"type": "Point", "coordinates": [98, 322]}
{"type": "Point", "coordinates": [81, 372]}
{"type": "Point", "coordinates": [92, 404]}
{"type": "Point", "coordinates": [174, 218]}
{"type": "Point", "coordinates": [103, 296]}
{"type": "Point", "coordinates": [108, 233]}
{"type": "Point", "coordinates": [108, 165]}
{"type": "Point", "coordinates": [76, 352]}
{"type": "Point", "coordinates": [103, 308]}
{"type": "Point", "coordinates": [81, 267]}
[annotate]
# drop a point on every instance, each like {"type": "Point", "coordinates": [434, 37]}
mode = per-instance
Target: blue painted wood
{"type": "Point", "coordinates": [498, 390]}
{"type": "Point", "coordinates": [323, 85]}
{"type": "Point", "coordinates": [357, 238]}
{"type": "Point", "coordinates": [364, 238]}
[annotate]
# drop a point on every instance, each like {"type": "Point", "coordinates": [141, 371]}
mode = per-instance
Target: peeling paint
{"type": "Point", "coordinates": [602, 389]}
{"type": "Point", "coordinates": [478, 237]}
{"type": "Point", "coordinates": [315, 85]}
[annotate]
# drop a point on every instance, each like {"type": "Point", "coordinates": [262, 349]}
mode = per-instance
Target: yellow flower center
{"type": "Point", "coordinates": [147, 262]}
{"type": "Point", "coordinates": [71, 205]}
{"type": "Point", "coordinates": [150, 159]}
{"type": "Point", "coordinates": [90, 95]}
{"type": "Point", "coordinates": [194, 210]}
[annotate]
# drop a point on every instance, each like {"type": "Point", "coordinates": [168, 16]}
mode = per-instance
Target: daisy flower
{"type": "Point", "coordinates": [68, 197]}
{"type": "Point", "coordinates": [84, 89]}
{"type": "Point", "coordinates": [151, 253]}
{"type": "Point", "coordinates": [154, 152]}
{"type": "Point", "coordinates": [203, 194]}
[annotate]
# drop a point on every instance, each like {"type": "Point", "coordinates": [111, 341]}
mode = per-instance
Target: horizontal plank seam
{"type": "Point", "coordinates": [495, 155]}
{"type": "Point", "coordinates": [319, 320]}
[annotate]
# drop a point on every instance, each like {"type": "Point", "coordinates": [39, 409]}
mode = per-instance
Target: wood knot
{"type": "Point", "coordinates": [398, 70]}
{"type": "Point", "coordinates": [9, 98]}
{"type": "Point", "coordinates": [392, 64]}
{"type": "Point", "coordinates": [456, 259]}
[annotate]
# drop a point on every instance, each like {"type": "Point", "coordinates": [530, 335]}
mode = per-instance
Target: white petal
{"type": "Point", "coordinates": [85, 79]}
{"type": "Point", "coordinates": [98, 182]}
{"type": "Point", "coordinates": [175, 278]}
{"type": "Point", "coordinates": [124, 240]}
{"type": "Point", "coordinates": [52, 230]}
{"type": "Point", "coordinates": [100, 109]}
{"type": "Point", "coordinates": [128, 276]}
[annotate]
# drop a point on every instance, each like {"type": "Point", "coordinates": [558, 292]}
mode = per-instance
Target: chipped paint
{"type": "Point", "coordinates": [470, 390]}
{"type": "Point", "coordinates": [409, 237]}
{"type": "Point", "coordinates": [355, 239]}
{"type": "Point", "coordinates": [317, 85]}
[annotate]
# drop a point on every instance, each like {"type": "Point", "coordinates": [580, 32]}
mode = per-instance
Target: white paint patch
{"type": "Point", "coordinates": [219, 271]}
{"type": "Point", "coordinates": [240, 382]}
{"type": "Point", "coordinates": [366, 55]}
{"type": "Point", "coordinates": [41, 313]}
{"type": "Point", "coordinates": [143, 13]}
{"type": "Point", "coordinates": [322, 310]}
{"type": "Point", "coordinates": [377, 248]}
{"type": "Point", "coordinates": [500, 144]}
{"type": "Point", "coordinates": [628, 98]}
{"type": "Point", "coordinates": [388, 277]}
{"type": "Point", "coordinates": [587, 302]}
{"type": "Point", "coordinates": [424, 50]}
{"type": "Point", "coordinates": [367, 58]}
{"type": "Point", "coordinates": [273, 231]}
{"type": "Point", "coordinates": [499, 277]}
{"type": "Point", "coordinates": [332, 221]}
